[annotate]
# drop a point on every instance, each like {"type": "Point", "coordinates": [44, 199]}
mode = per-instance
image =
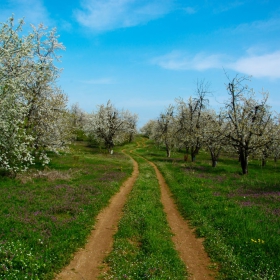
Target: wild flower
{"type": "Point", "coordinates": [260, 241]}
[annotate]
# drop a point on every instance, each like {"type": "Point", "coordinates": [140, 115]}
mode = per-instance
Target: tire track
{"type": "Point", "coordinates": [190, 248]}
{"type": "Point", "coordinates": [86, 262]}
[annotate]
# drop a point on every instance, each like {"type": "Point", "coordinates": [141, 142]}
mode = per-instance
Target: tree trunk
{"type": "Point", "coordinates": [168, 153]}
{"type": "Point", "coordinates": [193, 158]}
{"type": "Point", "coordinates": [194, 152]}
{"type": "Point", "coordinates": [244, 162]}
{"type": "Point", "coordinates": [263, 162]}
{"type": "Point", "coordinates": [214, 160]}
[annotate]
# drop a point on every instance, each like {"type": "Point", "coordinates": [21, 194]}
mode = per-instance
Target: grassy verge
{"type": "Point", "coordinates": [143, 248]}
{"type": "Point", "coordinates": [46, 215]}
{"type": "Point", "coordinates": [237, 215]}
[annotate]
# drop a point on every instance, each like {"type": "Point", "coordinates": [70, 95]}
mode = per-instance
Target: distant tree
{"type": "Point", "coordinates": [78, 120]}
{"type": "Point", "coordinates": [213, 139]}
{"type": "Point", "coordinates": [248, 127]}
{"type": "Point", "coordinates": [190, 120]}
{"type": "Point", "coordinates": [109, 125]}
{"type": "Point", "coordinates": [131, 125]}
{"type": "Point", "coordinates": [271, 148]}
{"type": "Point", "coordinates": [163, 131]}
{"type": "Point", "coordinates": [147, 129]}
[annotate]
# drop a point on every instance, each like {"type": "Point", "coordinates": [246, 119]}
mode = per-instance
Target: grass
{"type": "Point", "coordinates": [239, 216]}
{"type": "Point", "coordinates": [46, 214]}
{"type": "Point", "coordinates": [143, 248]}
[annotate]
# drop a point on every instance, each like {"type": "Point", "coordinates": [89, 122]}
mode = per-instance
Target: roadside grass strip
{"type": "Point", "coordinates": [143, 248]}
{"type": "Point", "coordinates": [237, 215]}
{"type": "Point", "coordinates": [46, 215]}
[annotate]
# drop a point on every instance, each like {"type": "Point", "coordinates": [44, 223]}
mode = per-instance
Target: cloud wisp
{"type": "Point", "coordinates": [177, 60]}
{"type": "Point", "coordinates": [105, 15]}
{"type": "Point", "coordinates": [264, 65]}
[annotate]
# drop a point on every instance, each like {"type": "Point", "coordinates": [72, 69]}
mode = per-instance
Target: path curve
{"type": "Point", "coordinates": [190, 248]}
{"type": "Point", "coordinates": [86, 262]}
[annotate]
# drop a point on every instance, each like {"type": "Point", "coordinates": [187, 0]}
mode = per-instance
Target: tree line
{"type": "Point", "coordinates": [35, 118]}
{"type": "Point", "coordinates": [244, 125]}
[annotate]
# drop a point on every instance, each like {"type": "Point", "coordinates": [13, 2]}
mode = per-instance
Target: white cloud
{"type": "Point", "coordinates": [266, 65]}
{"type": "Point", "coordinates": [102, 15]}
{"type": "Point", "coordinates": [182, 61]}
{"type": "Point", "coordinates": [262, 65]}
{"type": "Point", "coordinates": [33, 11]}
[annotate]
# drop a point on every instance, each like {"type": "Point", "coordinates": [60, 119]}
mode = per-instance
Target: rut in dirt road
{"type": "Point", "coordinates": [189, 247]}
{"type": "Point", "coordinates": [86, 262]}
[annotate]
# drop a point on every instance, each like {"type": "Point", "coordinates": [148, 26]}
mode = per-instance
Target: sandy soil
{"type": "Point", "coordinates": [86, 262]}
{"type": "Point", "coordinates": [190, 248]}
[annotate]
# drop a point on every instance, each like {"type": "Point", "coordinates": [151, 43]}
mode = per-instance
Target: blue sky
{"type": "Point", "coordinates": [143, 54]}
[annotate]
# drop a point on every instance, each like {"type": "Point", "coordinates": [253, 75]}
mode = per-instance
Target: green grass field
{"type": "Point", "coordinates": [239, 216]}
{"type": "Point", "coordinates": [46, 214]}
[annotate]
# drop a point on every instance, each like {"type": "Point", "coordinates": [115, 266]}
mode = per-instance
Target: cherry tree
{"type": "Point", "coordinates": [248, 127]}
{"type": "Point", "coordinates": [164, 129]}
{"type": "Point", "coordinates": [147, 129]}
{"type": "Point", "coordinates": [271, 148]}
{"type": "Point", "coordinates": [46, 119]}
{"type": "Point", "coordinates": [190, 120]}
{"type": "Point", "coordinates": [109, 125]}
{"type": "Point", "coordinates": [15, 142]}
{"type": "Point", "coordinates": [130, 125]}
{"type": "Point", "coordinates": [78, 120]}
{"type": "Point", "coordinates": [213, 139]}
{"type": "Point", "coordinates": [32, 108]}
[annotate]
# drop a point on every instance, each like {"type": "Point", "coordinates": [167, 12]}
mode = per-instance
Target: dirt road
{"type": "Point", "coordinates": [190, 248]}
{"type": "Point", "coordinates": [86, 263]}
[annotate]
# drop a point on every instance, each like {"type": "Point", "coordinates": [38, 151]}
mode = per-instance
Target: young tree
{"type": "Point", "coordinates": [248, 119]}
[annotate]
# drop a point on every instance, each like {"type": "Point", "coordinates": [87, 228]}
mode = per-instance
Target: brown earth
{"type": "Point", "coordinates": [87, 261]}
{"type": "Point", "coordinates": [190, 248]}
